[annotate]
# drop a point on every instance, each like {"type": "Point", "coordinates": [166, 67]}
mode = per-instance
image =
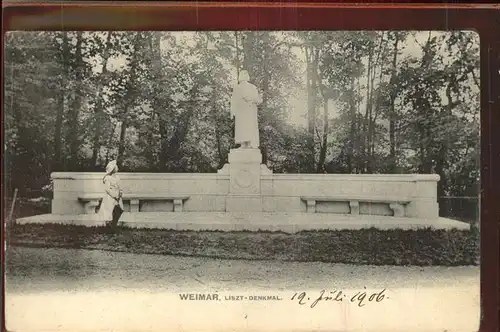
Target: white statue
{"type": "Point", "coordinates": [244, 103]}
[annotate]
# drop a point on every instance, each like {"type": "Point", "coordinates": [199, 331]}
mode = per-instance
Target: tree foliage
{"type": "Point", "coordinates": [374, 102]}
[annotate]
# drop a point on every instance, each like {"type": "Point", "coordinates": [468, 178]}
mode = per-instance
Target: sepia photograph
{"type": "Point", "coordinates": [242, 180]}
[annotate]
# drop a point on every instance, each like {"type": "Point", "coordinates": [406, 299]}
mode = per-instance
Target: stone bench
{"type": "Point", "coordinates": [396, 204]}
{"type": "Point", "coordinates": [91, 201]}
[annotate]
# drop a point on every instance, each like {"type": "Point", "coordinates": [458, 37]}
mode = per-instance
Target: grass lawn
{"type": "Point", "coordinates": [369, 246]}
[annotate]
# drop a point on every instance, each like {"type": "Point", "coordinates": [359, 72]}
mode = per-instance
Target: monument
{"type": "Point", "coordinates": [245, 163]}
{"type": "Point", "coordinates": [246, 195]}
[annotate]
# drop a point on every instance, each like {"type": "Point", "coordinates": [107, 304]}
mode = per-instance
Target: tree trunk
{"type": "Point", "coordinates": [443, 152]}
{"type": "Point", "coordinates": [266, 81]}
{"type": "Point", "coordinates": [163, 158]}
{"type": "Point", "coordinates": [392, 106]}
{"type": "Point", "coordinates": [218, 136]}
{"type": "Point", "coordinates": [365, 136]}
{"type": "Point", "coordinates": [237, 54]}
{"type": "Point", "coordinates": [56, 160]}
{"type": "Point", "coordinates": [424, 130]}
{"type": "Point", "coordinates": [352, 131]}
{"type": "Point", "coordinates": [312, 91]}
{"type": "Point", "coordinates": [324, 142]}
{"type": "Point", "coordinates": [74, 141]}
{"type": "Point", "coordinates": [310, 106]}
{"type": "Point", "coordinates": [131, 86]}
{"type": "Point", "coordinates": [372, 99]}
{"type": "Point", "coordinates": [248, 55]}
{"type": "Point", "coordinates": [99, 112]}
{"type": "Point", "coordinates": [121, 145]}
{"type": "Point", "coordinates": [156, 68]}
{"type": "Point", "coordinates": [312, 59]}
{"type": "Point", "coordinates": [421, 147]}
{"type": "Point", "coordinates": [374, 106]}
{"type": "Point", "coordinates": [179, 136]}
{"type": "Point", "coordinates": [373, 123]}
{"type": "Point", "coordinates": [108, 143]}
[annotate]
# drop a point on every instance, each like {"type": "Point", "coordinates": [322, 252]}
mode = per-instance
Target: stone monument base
{"type": "Point", "coordinates": [244, 203]}
{"type": "Point", "coordinates": [244, 193]}
{"type": "Point", "coordinates": [244, 170]}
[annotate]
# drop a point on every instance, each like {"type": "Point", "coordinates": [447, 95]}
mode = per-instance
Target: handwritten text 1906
{"type": "Point", "coordinates": [361, 298]}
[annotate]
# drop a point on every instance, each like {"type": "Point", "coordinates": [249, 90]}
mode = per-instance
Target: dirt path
{"type": "Point", "coordinates": [82, 290]}
{"type": "Point", "coordinates": [36, 270]}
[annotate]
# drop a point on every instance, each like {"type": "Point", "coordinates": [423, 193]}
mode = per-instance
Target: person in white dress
{"type": "Point", "coordinates": [244, 103]}
{"type": "Point", "coordinates": [112, 203]}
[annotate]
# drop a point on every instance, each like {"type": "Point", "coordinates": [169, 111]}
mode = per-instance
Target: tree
{"type": "Point", "coordinates": [159, 101]}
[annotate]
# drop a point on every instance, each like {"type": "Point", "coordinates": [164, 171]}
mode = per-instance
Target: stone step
{"type": "Point", "coordinates": [251, 221]}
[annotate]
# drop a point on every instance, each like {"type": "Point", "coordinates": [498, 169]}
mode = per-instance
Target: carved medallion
{"type": "Point", "coordinates": [243, 179]}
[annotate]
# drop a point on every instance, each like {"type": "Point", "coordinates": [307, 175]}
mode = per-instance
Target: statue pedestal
{"type": "Point", "coordinates": [244, 170]}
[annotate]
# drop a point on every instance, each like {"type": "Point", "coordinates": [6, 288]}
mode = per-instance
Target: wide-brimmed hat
{"type": "Point", "coordinates": [111, 167]}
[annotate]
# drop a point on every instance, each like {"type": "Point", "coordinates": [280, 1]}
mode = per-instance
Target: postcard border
{"type": "Point", "coordinates": [484, 19]}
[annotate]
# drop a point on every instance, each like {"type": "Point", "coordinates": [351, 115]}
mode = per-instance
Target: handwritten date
{"type": "Point", "coordinates": [360, 298]}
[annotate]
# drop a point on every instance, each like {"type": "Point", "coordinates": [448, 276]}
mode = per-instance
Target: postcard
{"type": "Point", "coordinates": [242, 180]}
